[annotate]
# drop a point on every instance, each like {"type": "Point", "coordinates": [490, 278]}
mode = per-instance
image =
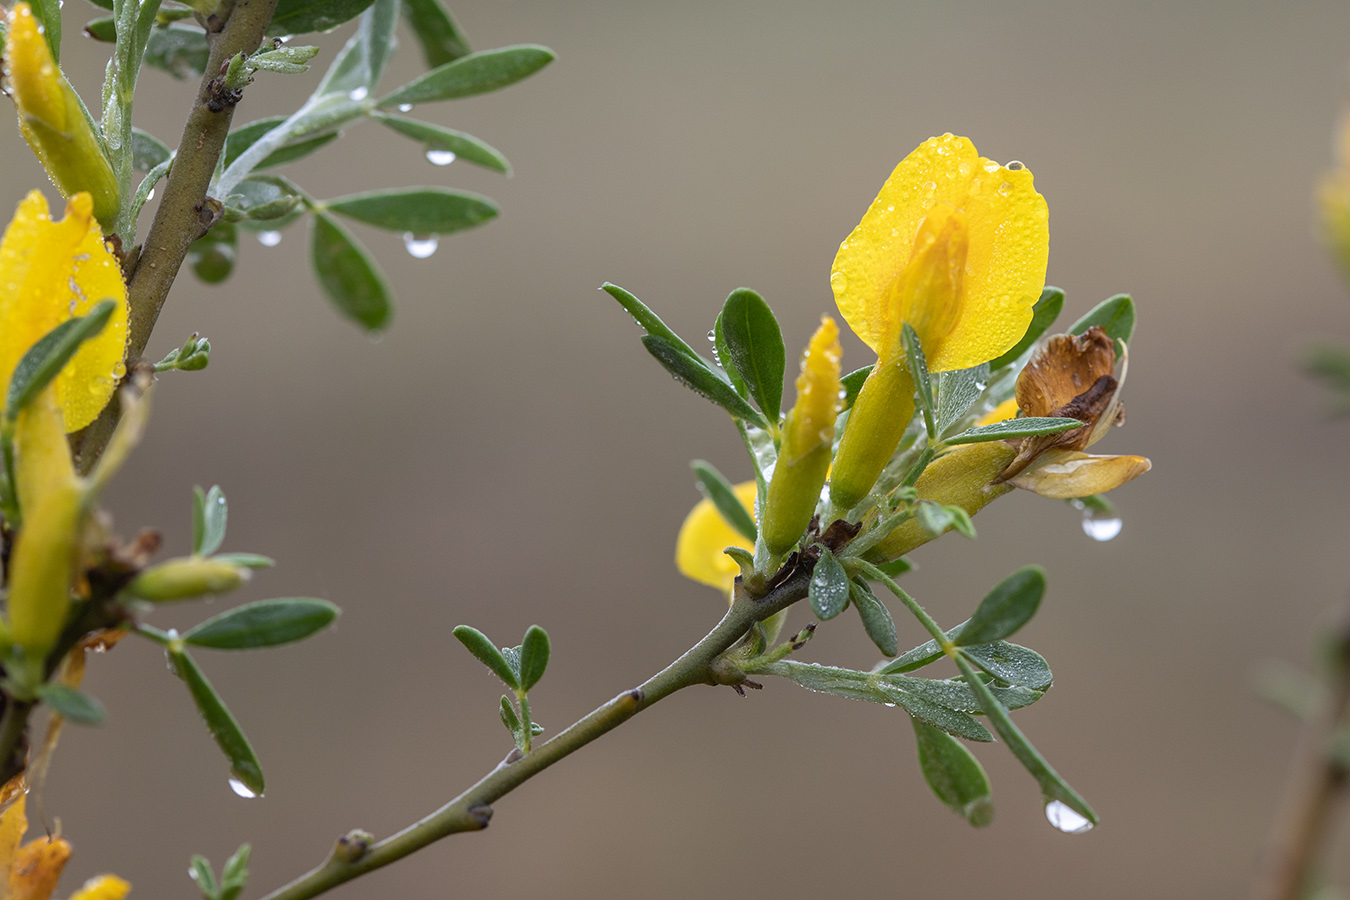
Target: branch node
{"type": "Point", "coordinates": [481, 814]}
{"type": "Point", "coordinates": [352, 845]}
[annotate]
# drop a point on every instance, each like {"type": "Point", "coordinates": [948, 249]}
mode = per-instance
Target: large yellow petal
{"type": "Point", "coordinates": [703, 537]}
{"type": "Point", "coordinates": [1008, 236]}
{"type": "Point", "coordinates": [37, 869]}
{"type": "Point", "coordinates": [52, 272]}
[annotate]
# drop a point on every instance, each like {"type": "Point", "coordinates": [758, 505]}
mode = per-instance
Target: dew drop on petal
{"type": "Point", "coordinates": [838, 282]}
{"type": "Point", "coordinates": [964, 168]}
{"type": "Point", "coordinates": [440, 157]}
{"type": "Point", "coordinates": [241, 789]}
{"type": "Point", "coordinates": [405, 107]}
{"type": "Point", "coordinates": [269, 238]}
{"type": "Point", "coordinates": [1065, 819]}
{"type": "Point", "coordinates": [420, 246]}
{"type": "Point", "coordinates": [991, 166]}
{"type": "Point", "coordinates": [1015, 166]}
{"type": "Point", "coordinates": [356, 95]}
{"type": "Point", "coordinates": [930, 186]}
{"type": "Point", "coordinates": [1004, 189]}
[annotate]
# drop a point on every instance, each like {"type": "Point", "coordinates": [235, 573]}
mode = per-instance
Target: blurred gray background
{"type": "Point", "coordinates": [508, 454]}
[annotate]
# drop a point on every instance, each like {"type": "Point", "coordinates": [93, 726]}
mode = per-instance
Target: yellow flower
{"type": "Point", "coordinates": [703, 537]}
{"type": "Point", "coordinates": [956, 246]}
{"type": "Point", "coordinates": [53, 119]}
{"type": "Point", "coordinates": [808, 439]}
{"type": "Point", "coordinates": [51, 272]}
{"type": "Point", "coordinates": [30, 872]}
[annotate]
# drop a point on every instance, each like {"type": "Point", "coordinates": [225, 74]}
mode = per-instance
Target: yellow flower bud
{"type": "Point", "coordinates": [53, 119]}
{"type": "Point", "coordinates": [103, 887]}
{"type": "Point", "coordinates": [185, 578]}
{"type": "Point", "coordinates": [964, 478]}
{"type": "Point", "coordinates": [808, 439]}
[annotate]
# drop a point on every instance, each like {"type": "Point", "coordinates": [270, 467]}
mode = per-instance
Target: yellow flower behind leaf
{"type": "Point", "coordinates": [50, 272]}
{"type": "Point", "coordinates": [703, 537]}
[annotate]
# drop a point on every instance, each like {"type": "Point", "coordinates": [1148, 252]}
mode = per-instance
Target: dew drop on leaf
{"type": "Point", "coordinates": [269, 238]}
{"type": "Point", "coordinates": [405, 107]}
{"type": "Point", "coordinates": [356, 95]}
{"type": "Point", "coordinates": [420, 246]}
{"type": "Point", "coordinates": [440, 157]}
{"type": "Point", "coordinates": [1065, 819]}
{"type": "Point", "coordinates": [241, 789]}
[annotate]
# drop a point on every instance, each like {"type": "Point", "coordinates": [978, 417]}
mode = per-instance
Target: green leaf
{"type": "Point", "coordinates": [283, 60]}
{"type": "Point", "coordinates": [1012, 663]}
{"type": "Point", "coordinates": [923, 385]}
{"type": "Point", "coordinates": [436, 31]}
{"type": "Point", "coordinates": [147, 151]}
{"type": "Point", "coordinates": [722, 355]}
{"type": "Point", "coordinates": [534, 653]}
{"type": "Point", "coordinates": [956, 392]}
{"type": "Point", "coordinates": [304, 16]}
{"type": "Point", "coordinates": [698, 376]}
{"type": "Point", "coordinates": [263, 623]}
{"type": "Point", "coordinates": [234, 876]}
{"type": "Point", "coordinates": [755, 344]}
{"type": "Point", "coordinates": [229, 737]}
{"type": "Point", "coordinates": [1006, 608]}
{"type": "Point", "coordinates": [1011, 428]}
{"type": "Point", "coordinates": [876, 618]}
{"type": "Point", "coordinates": [265, 201]}
{"type": "Point", "coordinates": [852, 383]}
{"type": "Point", "coordinates": [45, 359]}
{"type": "Point", "coordinates": [434, 137]}
{"type": "Point", "coordinates": [209, 515]}
{"type": "Point", "coordinates": [213, 255]}
{"type": "Point", "coordinates": [723, 497]}
{"type": "Point", "coordinates": [647, 320]}
{"type": "Point", "coordinates": [487, 653]}
{"type": "Point", "coordinates": [829, 587]}
{"type": "Point", "coordinates": [476, 73]}
{"type": "Point", "coordinates": [70, 704]}
{"type": "Point", "coordinates": [199, 869]}
{"type": "Point", "coordinates": [954, 774]}
{"type": "Point", "coordinates": [512, 657]}
{"type": "Point", "coordinates": [349, 276]}
{"type": "Point", "coordinates": [1115, 315]}
{"type": "Point", "coordinates": [180, 50]}
{"type": "Point", "coordinates": [240, 139]}
{"type": "Point", "coordinates": [245, 560]}
{"type": "Point", "coordinates": [512, 722]}
{"type": "Point", "coordinates": [933, 518]}
{"type": "Point", "coordinates": [102, 29]}
{"type": "Point", "coordinates": [425, 210]}
{"type": "Point", "coordinates": [958, 695]}
{"type": "Point", "coordinates": [1043, 315]}
{"type": "Point", "coordinates": [896, 567]}
{"type": "Point", "coordinates": [357, 67]}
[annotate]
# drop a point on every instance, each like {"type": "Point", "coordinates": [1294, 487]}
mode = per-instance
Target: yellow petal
{"type": "Point", "coordinates": [703, 537]}
{"type": "Point", "coordinates": [1006, 225]}
{"type": "Point", "coordinates": [103, 887]}
{"type": "Point", "coordinates": [13, 823]}
{"type": "Point", "coordinates": [1064, 475]}
{"type": "Point", "coordinates": [53, 271]}
{"type": "Point", "coordinates": [1001, 413]}
{"type": "Point", "coordinates": [38, 868]}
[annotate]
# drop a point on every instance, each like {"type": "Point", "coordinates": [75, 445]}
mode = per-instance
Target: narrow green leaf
{"type": "Point", "coordinates": [923, 385]}
{"type": "Point", "coordinates": [180, 50]}
{"type": "Point", "coordinates": [852, 383]}
{"type": "Point", "coordinates": [959, 695]}
{"type": "Point", "coordinates": [245, 560]}
{"type": "Point", "coordinates": [270, 201]}
{"type": "Point", "coordinates": [920, 656]}
{"type": "Point", "coordinates": [1115, 315]}
{"type": "Point", "coordinates": [1012, 663]}
{"type": "Point", "coordinates": [1043, 315]}
{"type": "Point", "coordinates": [244, 766]}
{"type": "Point", "coordinates": [487, 653]}
{"type": "Point", "coordinates": [349, 276]}
{"type": "Point", "coordinates": [957, 392]}
{"type": "Point", "coordinates": [512, 722]}
{"type": "Point", "coordinates": [722, 356]}
{"type": "Point", "coordinates": [240, 139]}
{"type": "Point", "coordinates": [437, 138]}
{"type": "Point", "coordinates": [45, 359]}
{"type": "Point", "coordinates": [954, 774]}
{"type": "Point", "coordinates": [896, 567]}
{"type": "Point", "coordinates": [933, 518]}
{"type": "Point", "coordinates": [436, 30]}
{"type": "Point", "coordinates": [876, 618]}
{"type": "Point", "coordinates": [723, 496]}
{"type": "Point", "coordinates": [534, 653]}
{"type": "Point", "coordinates": [1006, 608]}
{"type": "Point", "coordinates": [263, 623]}
{"type": "Point", "coordinates": [147, 151]}
{"type": "Point", "coordinates": [647, 320]}
{"type": "Point", "coordinates": [304, 16]}
{"type": "Point", "coordinates": [426, 210]}
{"type": "Point", "coordinates": [199, 869]}
{"type": "Point", "coordinates": [234, 875]}
{"type": "Point", "coordinates": [102, 29]}
{"type": "Point", "coordinates": [1053, 787]}
{"type": "Point", "coordinates": [755, 343]}
{"type": "Point", "coordinates": [215, 513]}
{"type": "Point", "coordinates": [476, 73]}
{"type": "Point", "coordinates": [71, 704]}
{"type": "Point", "coordinates": [829, 587]}
{"type": "Point", "coordinates": [694, 373]}
{"type": "Point", "coordinates": [1011, 428]}
{"type": "Point", "coordinates": [952, 721]}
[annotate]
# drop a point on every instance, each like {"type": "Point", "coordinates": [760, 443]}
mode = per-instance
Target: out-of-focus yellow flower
{"type": "Point", "coordinates": [54, 121]}
{"type": "Point", "coordinates": [1333, 197]}
{"type": "Point", "coordinates": [103, 887]}
{"type": "Point", "coordinates": [30, 872]}
{"type": "Point", "coordinates": [956, 246]}
{"type": "Point", "coordinates": [808, 439]}
{"type": "Point", "coordinates": [703, 537]}
{"type": "Point", "coordinates": [51, 272]}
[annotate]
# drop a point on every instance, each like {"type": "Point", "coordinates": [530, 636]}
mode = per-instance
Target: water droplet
{"type": "Point", "coordinates": [943, 149]}
{"type": "Point", "coordinates": [927, 204]}
{"type": "Point", "coordinates": [1015, 166]}
{"type": "Point", "coordinates": [286, 38]}
{"type": "Point", "coordinates": [356, 95]}
{"type": "Point", "coordinates": [420, 246]}
{"type": "Point", "coordinates": [440, 157]}
{"type": "Point", "coordinates": [119, 370]}
{"type": "Point", "coordinates": [930, 186]}
{"type": "Point", "coordinates": [712, 334]}
{"type": "Point", "coordinates": [991, 166]}
{"type": "Point", "coordinates": [269, 238]}
{"type": "Point", "coordinates": [890, 705]}
{"type": "Point", "coordinates": [150, 196]}
{"type": "Point", "coordinates": [1103, 529]}
{"type": "Point", "coordinates": [838, 282]}
{"type": "Point", "coordinates": [405, 107]}
{"type": "Point", "coordinates": [1065, 819]}
{"type": "Point", "coordinates": [964, 168]}
{"type": "Point", "coordinates": [241, 789]}
{"type": "Point", "coordinates": [890, 208]}
{"type": "Point", "coordinates": [1004, 189]}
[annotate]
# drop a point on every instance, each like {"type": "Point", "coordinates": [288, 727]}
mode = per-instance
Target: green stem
{"type": "Point", "coordinates": [526, 721]}
{"type": "Point", "coordinates": [471, 810]}
{"type": "Point", "coordinates": [919, 612]}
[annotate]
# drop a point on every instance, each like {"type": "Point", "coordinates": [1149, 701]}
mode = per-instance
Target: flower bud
{"type": "Point", "coordinates": [808, 438]}
{"type": "Point", "coordinates": [964, 478]}
{"type": "Point", "coordinates": [53, 119]}
{"type": "Point", "coordinates": [185, 578]}
{"type": "Point", "coordinates": [875, 426]}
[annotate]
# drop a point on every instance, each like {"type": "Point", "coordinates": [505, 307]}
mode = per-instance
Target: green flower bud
{"type": "Point", "coordinates": [185, 578]}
